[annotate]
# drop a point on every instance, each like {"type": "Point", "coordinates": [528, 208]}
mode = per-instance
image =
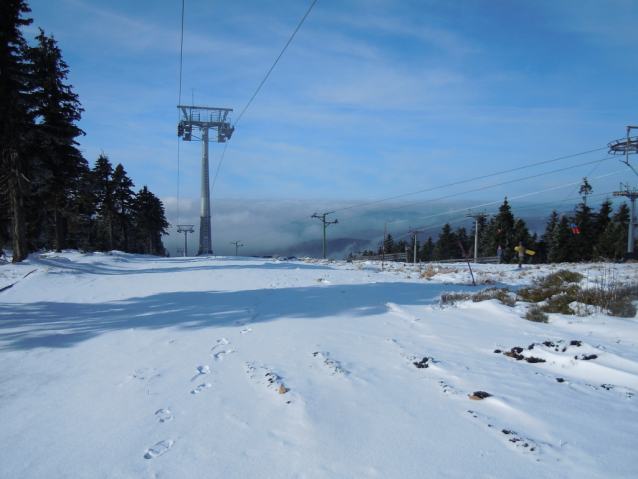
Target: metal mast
{"type": "Point", "coordinates": [476, 217]}
{"type": "Point", "coordinates": [204, 119]}
{"type": "Point", "coordinates": [185, 229]}
{"type": "Point", "coordinates": [416, 233]}
{"type": "Point", "coordinates": [325, 224]}
{"type": "Point", "coordinates": [632, 195]}
{"type": "Point", "coordinates": [627, 146]}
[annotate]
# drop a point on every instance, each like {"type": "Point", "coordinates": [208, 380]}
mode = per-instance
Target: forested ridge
{"type": "Point", "coordinates": [586, 235]}
{"type": "Point", "coordinates": [50, 197]}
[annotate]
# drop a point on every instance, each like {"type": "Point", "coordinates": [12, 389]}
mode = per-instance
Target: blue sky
{"type": "Point", "coordinates": [371, 100]}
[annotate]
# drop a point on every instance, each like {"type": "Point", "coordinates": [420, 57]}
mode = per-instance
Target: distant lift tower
{"type": "Point", "coordinates": [185, 229]}
{"type": "Point", "coordinates": [204, 119]}
{"type": "Point", "coordinates": [627, 146]}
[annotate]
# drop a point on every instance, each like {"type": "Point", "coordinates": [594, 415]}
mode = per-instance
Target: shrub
{"type": "Point", "coordinates": [502, 294]}
{"type": "Point", "coordinates": [534, 313]}
{"type": "Point", "coordinates": [454, 297]}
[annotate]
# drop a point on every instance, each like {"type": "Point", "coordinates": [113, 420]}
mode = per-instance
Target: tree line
{"type": "Point", "coordinates": [586, 235]}
{"type": "Point", "coordinates": [50, 197]}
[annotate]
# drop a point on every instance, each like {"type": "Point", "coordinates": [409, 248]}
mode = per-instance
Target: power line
{"type": "Point", "coordinates": [472, 191]}
{"type": "Point", "coordinates": [473, 179]}
{"type": "Point", "coordinates": [273, 66]}
{"type": "Point", "coordinates": [259, 88]}
{"type": "Point", "coordinates": [445, 186]}
{"type": "Point", "coordinates": [437, 214]}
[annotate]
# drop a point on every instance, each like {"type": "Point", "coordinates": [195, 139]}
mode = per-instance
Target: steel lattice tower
{"type": "Point", "coordinates": [205, 119]}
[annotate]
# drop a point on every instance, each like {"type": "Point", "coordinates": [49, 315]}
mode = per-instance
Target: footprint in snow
{"type": "Point", "coordinates": [220, 342]}
{"type": "Point", "coordinates": [158, 449]}
{"type": "Point", "coordinates": [247, 330]}
{"type": "Point", "coordinates": [201, 370]}
{"type": "Point", "coordinates": [201, 388]}
{"type": "Point", "coordinates": [164, 415]}
{"type": "Point", "coordinates": [220, 355]}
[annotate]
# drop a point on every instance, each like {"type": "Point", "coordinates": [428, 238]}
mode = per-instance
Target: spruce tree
{"type": "Point", "coordinates": [601, 221]}
{"type": "Point", "coordinates": [548, 239]}
{"type": "Point", "coordinates": [124, 197]}
{"type": "Point", "coordinates": [150, 221]}
{"type": "Point", "coordinates": [447, 246]}
{"type": "Point", "coordinates": [58, 109]}
{"type": "Point", "coordinates": [105, 196]}
{"type": "Point", "coordinates": [565, 245]}
{"type": "Point", "coordinates": [586, 238]}
{"type": "Point", "coordinates": [503, 232]}
{"type": "Point", "coordinates": [17, 119]}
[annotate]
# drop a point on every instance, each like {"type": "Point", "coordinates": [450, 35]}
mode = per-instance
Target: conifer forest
{"type": "Point", "coordinates": [50, 196]}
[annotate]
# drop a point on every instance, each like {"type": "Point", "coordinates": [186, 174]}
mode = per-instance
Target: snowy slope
{"type": "Point", "coordinates": [134, 366]}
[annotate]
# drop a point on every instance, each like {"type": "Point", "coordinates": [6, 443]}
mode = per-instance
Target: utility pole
{"type": "Point", "coordinates": [185, 229]}
{"type": "Point", "coordinates": [632, 195]}
{"type": "Point", "coordinates": [237, 245]}
{"type": "Point", "coordinates": [476, 217]}
{"type": "Point", "coordinates": [416, 232]}
{"type": "Point", "coordinates": [325, 224]}
{"type": "Point", "coordinates": [385, 225]}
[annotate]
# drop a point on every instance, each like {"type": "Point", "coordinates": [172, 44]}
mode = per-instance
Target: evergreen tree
{"type": "Point", "coordinates": [503, 232]}
{"type": "Point", "coordinates": [150, 221]}
{"type": "Point", "coordinates": [426, 251]}
{"type": "Point", "coordinates": [565, 245]}
{"type": "Point", "coordinates": [613, 243]}
{"type": "Point", "coordinates": [58, 108]}
{"type": "Point", "coordinates": [124, 196]}
{"type": "Point", "coordinates": [548, 239]}
{"type": "Point", "coordinates": [586, 238]}
{"type": "Point", "coordinates": [601, 221]}
{"type": "Point", "coordinates": [466, 241]}
{"type": "Point", "coordinates": [106, 203]}
{"type": "Point", "coordinates": [17, 125]}
{"type": "Point", "coordinates": [447, 246]}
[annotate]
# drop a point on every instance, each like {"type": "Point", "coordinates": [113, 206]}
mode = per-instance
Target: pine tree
{"type": "Point", "coordinates": [503, 232]}
{"type": "Point", "coordinates": [565, 246]}
{"type": "Point", "coordinates": [124, 197]}
{"type": "Point", "coordinates": [58, 109]}
{"type": "Point", "coordinates": [105, 196]}
{"type": "Point", "coordinates": [17, 125]}
{"type": "Point", "coordinates": [613, 243]}
{"type": "Point", "coordinates": [426, 251]}
{"type": "Point", "coordinates": [601, 221]}
{"type": "Point", "coordinates": [461, 235]}
{"type": "Point", "coordinates": [548, 239]}
{"type": "Point", "coordinates": [150, 221]}
{"type": "Point", "coordinates": [447, 246]}
{"type": "Point", "coordinates": [586, 238]}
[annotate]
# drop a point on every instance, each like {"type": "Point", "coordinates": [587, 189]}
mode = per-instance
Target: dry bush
{"type": "Point", "coordinates": [447, 270]}
{"type": "Point", "coordinates": [454, 297]}
{"type": "Point", "coordinates": [358, 266]}
{"type": "Point", "coordinates": [428, 273]}
{"type": "Point", "coordinates": [535, 314]}
{"type": "Point", "coordinates": [502, 294]}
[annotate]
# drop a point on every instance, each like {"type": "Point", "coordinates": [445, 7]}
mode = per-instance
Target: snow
{"type": "Point", "coordinates": [121, 366]}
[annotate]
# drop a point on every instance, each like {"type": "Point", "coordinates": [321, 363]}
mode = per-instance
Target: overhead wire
{"type": "Point", "coordinates": [439, 187]}
{"type": "Point", "coordinates": [440, 214]}
{"type": "Point", "coordinates": [273, 65]}
{"type": "Point", "coordinates": [221, 160]}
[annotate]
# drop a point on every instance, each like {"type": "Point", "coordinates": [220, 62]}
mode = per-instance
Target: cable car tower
{"type": "Point", "coordinates": [203, 119]}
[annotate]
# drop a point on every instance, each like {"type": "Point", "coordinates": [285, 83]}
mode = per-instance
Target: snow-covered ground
{"type": "Point", "coordinates": [122, 366]}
